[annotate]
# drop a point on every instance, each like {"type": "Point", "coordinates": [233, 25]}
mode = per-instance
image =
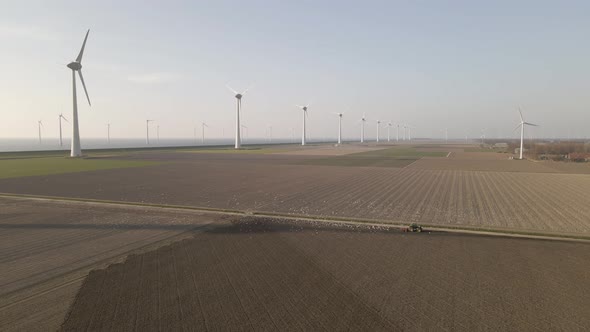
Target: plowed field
{"type": "Point", "coordinates": [256, 274]}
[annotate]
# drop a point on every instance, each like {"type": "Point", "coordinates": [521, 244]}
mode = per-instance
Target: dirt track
{"type": "Point", "coordinates": [260, 274]}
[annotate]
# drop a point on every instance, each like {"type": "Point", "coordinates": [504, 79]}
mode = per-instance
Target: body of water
{"type": "Point", "coordinates": [30, 144]}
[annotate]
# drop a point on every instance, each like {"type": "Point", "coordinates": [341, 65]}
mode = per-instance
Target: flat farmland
{"type": "Point", "coordinates": [263, 274]}
{"type": "Point", "coordinates": [47, 248]}
{"type": "Point", "coordinates": [519, 200]}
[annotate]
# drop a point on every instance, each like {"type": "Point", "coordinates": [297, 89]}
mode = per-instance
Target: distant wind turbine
{"type": "Point", "coordinates": [203, 125]}
{"type": "Point", "coordinates": [76, 66]}
{"type": "Point", "coordinates": [363, 119]}
{"type": "Point", "coordinates": [410, 132]}
{"type": "Point", "coordinates": [109, 133]}
{"type": "Point", "coordinates": [245, 137]}
{"type": "Point", "coordinates": [378, 126]}
{"type": "Point", "coordinates": [270, 134]}
{"type": "Point", "coordinates": [147, 131]}
{"type": "Point", "coordinates": [239, 106]}
{"type": "Point", "coordinates": [158, 133]}
{"type": "Point", "coordinates": [304, 109]}
{"type": "Point", "coordinates": [339, 127]}
{"type": "Point", "coordinates": [389, 131]}
{"type": "Point", "coordinates": [39, 125]}
{"type": "Point", "coordinates": [405, 129]}
{"type": "Point", "coordinates": [521, 125]}
{"type": "Point", "coordinates": [397, 133]}
{"type": "Point", "coordinates": [61, 116]}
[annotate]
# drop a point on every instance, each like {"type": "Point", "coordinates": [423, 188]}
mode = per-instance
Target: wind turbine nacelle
{"type": "Point", "coordinates": [239, 96]}
{"type": "Point", "coordinates": [75, 65]}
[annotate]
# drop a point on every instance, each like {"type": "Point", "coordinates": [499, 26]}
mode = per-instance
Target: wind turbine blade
{"type": "Point", "coordinates": [84, 85]}
{"type": "Point", "coordinates": [520, 124]}
{"type": "Point", "coordinates": [79, 58]}
{"type": "Point", "coordinates": [63, 117]}
{"type": "Point", "coordinates": [531, 124]}
{"type": "Point", "coordinates": [230, 89]}
{"type": "Point", "coordinates": [250, 87]}
{"type": "Point", "coordinates": [520, 114]}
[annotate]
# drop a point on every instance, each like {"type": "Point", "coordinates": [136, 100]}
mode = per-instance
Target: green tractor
{"type": "Point", "coordinates": [414, 228]}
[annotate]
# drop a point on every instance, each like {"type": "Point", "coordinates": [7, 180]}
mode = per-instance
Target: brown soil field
{"type": "Point", "coordinates": [330, 150]}
{"type": "Point", "coordinates": [261, 274]}
{"type": "Point", "coordinates": [47, 248]}
{"type": "Point", "coordinates": [525, 201]}
{"type": "Point", "coordinates": [473, 163]}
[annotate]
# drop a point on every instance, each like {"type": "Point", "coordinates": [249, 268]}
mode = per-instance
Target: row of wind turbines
{"type": "Point", "coordinates": [76, 67]}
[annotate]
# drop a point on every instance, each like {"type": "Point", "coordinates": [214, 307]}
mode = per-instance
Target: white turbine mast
{"type": "Point", "coordinates": [61, 116]}
{"type": "Point", "coordinates": [203, 125]}
{"type": "Point", "coordinates": [303, 133]}
{"type": "Point", "coordinates": [238, 108]}
{"type": "Point", "coordinates": [363, 119]}
{"type": "Point", "coordinates": [147, 131]}
{"type": "Point", "coordinates": [397, 133]}
{"type": "Point", "coordinates": [389, 131]}
{"type": "Point", "coordinates": [521, 125]}
{"type": "Point", "coordinates": [76, 66]}
{"type": "Point", "coordinates": [378, 126]}
{"type": "Point", "coordinates": [39, 125]}
{"type": "Point", "coordinates": [339, 127]}
{"type": "Point", "coordinates": [109, 133]}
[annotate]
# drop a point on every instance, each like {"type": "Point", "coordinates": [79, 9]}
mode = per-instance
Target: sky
{"type": "Point", "coordinates": [462, 65]}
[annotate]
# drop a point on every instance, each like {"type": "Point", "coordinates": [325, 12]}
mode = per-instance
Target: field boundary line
{"type": "Point", "coordinates": [408, 165]}
{"type": "Point", "coordinates": [466, 229]}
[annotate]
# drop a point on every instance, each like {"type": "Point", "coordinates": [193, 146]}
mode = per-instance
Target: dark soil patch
{"type": "Point", "coordinates": [262, 274]}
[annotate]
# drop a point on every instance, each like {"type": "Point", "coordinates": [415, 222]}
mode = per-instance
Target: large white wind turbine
{"type": "Point", "coordinates": [76, 66]}
{"type": "Point", "coordinates": [339, 127]}
{"type": "Point", "coordinates": [521, 125]}
{"type": "Point", "coordinates": [39, 125]}
{"type": "Point", "coordinates": [147, 131]}
{"type": "Point", "coordinates": [109, 133]}
{"type": "Point", "coordinates": [363, 119]}
{"type": "Point", "coordinates": [304, 109]}
{"type": "Point", "coordinates": [61, 116]}
{"type": "Point", "coordinates": [239, 106]}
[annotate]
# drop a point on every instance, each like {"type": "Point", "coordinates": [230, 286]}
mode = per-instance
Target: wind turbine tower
{"type": "Point", "coordinates": [147, 131]}
{"type": "Point", "coordinates": [304, 109]}
{"type": "Point", "coordinates": [363, 119]}
{"type": "Point", "coordinates": [109, 133]}
{"type": "Point", "coordinates": [339, 127]}
{"type": "Point", "coordinates": [39, 125]}
{"type": "Point", "coordinates": [238, 107]}
{"type": "Point", "coordinates": [378, 125]}
{"type": "Point", "coordinates": [76, 66]}
{"type": "Point", "coordinates": [389, 131]}
{"type": "Point", "coordinates": [203, 125]}
{"type": "Point", "coordinates": [521, 125]}
{"type": "Point", "coordinates": [60, 132]}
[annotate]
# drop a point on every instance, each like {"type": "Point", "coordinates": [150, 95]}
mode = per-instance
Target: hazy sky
{"type": "Point", "coordinates": [464, 65]}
